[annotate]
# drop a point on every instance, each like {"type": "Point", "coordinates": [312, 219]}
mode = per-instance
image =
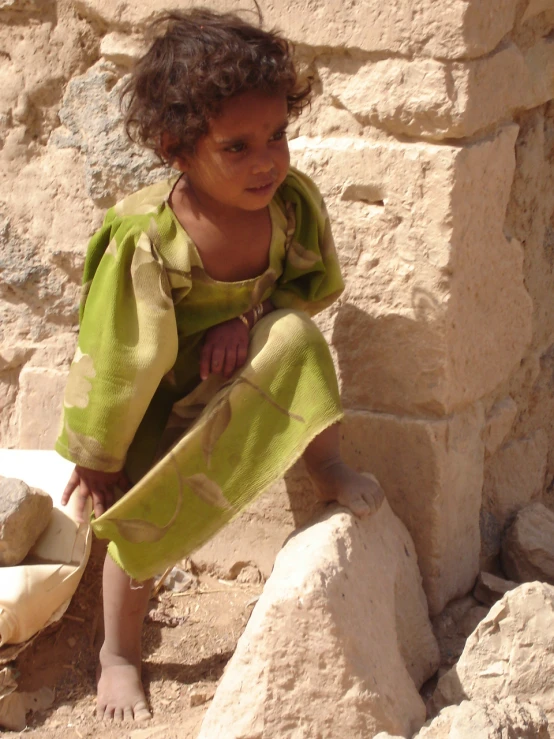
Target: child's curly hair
{"type": "Point", "coordinates": [198, 60]}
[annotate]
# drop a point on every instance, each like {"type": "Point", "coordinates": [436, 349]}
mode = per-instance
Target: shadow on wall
{"type": "Point", "coordinates": [392, 363]}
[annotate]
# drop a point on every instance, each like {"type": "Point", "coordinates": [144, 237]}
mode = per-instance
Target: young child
{"type": "Point", "coordinates": [199, 378]}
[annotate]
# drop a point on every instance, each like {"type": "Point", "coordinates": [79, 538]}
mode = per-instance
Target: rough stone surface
{"type": "Point", "coordinates": [327, 646]}
{"type": "Point", "coordinates": [24, 514]}
{"type": "Point", "coordinates": [453, 625]}
{"type": "Point", "coordinates": [490, 588]}
{"type": "Point", "coordinates": [41, 393]}
{"type": "Point", "coordinates": [432, 474]}
{"type": "Point", "coordinates": [528, 547]}
{"type": "Point", "coordinates": [455, 28]}
{"type": "Point", "coordinates": [93, 124]}
{"type": "Point", "coordinates": [514, 476]}
{"type": "Point", "coordinates": [417, 98]}
{"type": "Point", "coordinates": [444, 321]}
{"type": "Point", "coordinates": [510, 654]}
{"type": "Point", "coordinates": [478, 719]}
{"type": "Point", "coordinates": [498, 424]}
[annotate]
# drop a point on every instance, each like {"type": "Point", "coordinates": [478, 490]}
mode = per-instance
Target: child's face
{"type": "Point", "coordinates": [244, 157]}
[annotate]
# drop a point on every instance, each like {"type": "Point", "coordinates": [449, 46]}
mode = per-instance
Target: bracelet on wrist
{"type": "Point", "coordinates": [244, 319]}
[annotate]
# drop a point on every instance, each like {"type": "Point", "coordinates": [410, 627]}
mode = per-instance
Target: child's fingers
{"type": "Point", "coordinates": [70, 487]}
{"type": "Point", "coordinates": [230, 361]}
{"type": "Point", "coordinates": [83, 493]}
{"type": "Point", "coordinates": [218, 359]}
{"type": "Point", "coordinates": [205, 361]}
{"type": "Point", "coordinates": [242, 354]}
{"type": "Point", "coordinates": [98, 504]}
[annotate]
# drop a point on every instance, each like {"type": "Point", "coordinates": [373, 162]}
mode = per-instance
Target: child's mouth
{"type": "Point", "coordinates": [263, 190]}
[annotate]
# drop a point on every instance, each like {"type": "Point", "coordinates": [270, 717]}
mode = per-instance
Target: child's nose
{"type": "Point", "coordinates": [264, 163]}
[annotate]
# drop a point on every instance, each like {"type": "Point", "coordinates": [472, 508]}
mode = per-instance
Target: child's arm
{"type": "Point", "coordinates": [225, 346]}
{"type": "Point", "coordinates": [127, 343]}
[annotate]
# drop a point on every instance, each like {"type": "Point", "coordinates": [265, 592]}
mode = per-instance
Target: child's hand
{"type": "Point", "coordinates": [225, 349]}
{"type": "Point", "coordinates": [98, 485]}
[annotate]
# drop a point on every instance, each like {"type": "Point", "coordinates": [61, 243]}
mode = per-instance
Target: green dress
{"type": "Point", "coordinates": [197, 451]}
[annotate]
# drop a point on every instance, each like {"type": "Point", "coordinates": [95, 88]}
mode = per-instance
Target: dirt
{"type": "Point", "coordinates": [188, 639]}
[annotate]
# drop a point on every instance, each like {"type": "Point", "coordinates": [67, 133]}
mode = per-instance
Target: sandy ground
{"type": "Point", "coordinates": [189, 638]}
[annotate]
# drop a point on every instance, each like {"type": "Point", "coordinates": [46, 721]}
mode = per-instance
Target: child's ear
{"type": "Point", "coordinates": [167, 143]}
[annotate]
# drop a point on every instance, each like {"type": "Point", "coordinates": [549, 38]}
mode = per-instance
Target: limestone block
{"type": "Point", "coordinates": [528, 547]}
{"type": "Point", "coordinates": [515, 475]}
{"type": "Point", "coordinates": [329, 650]}
{"type": "Point", "coordinates": [435, 314]}
{"type": "Point", "coordinates": [478, 719]}
{"type": "Point", "coordinates": [432, 474]}
{"type": "Point", "coordinates": [93, 124]}
{"type": "Point", "coordinates": [24, 514]}
{"type": "Point", "coordinates": [490, 588]}
{"type": "Point", "coordinates": [450, 29]}
{"type": "Point", "coordinates": [498, 423]}
{"type": "Point", "coordinates": [536, 7]}
{"type": "Point", "coordinates": [40, 402]}
{"type": "Point", "coordinates": [510, 654]}
{"type": "Point", "coordinates": [121, 48]}
{"type": "Point", "coordinates": [437, 99]}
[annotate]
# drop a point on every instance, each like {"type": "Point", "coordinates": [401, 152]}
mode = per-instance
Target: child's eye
{"type": "Point", "coordinates": [279, 136]}
{"type": "Point", "coordinates": [236, 148]}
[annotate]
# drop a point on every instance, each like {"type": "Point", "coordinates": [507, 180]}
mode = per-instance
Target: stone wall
{"type": "Point", "coordinates": [432, 137]}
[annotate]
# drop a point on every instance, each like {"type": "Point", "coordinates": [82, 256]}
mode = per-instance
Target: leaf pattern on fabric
{"type": "Point", "coordinates": [300, 258]}
{"type": "Point", "coordinates": [150, 281]}
{"type": "Point", "coordinates": [214, 427]}
{"type": "Point", "coordinates": [269, 399]}
{"type": "Point", "coordinates": [137, 531]}
{"type": "Point", "coordinates": [112, 248]}
{"type": "Point", "coordinates": [147, 200]}
{"type": "Point", "coordinates": [207, 490]}
{"type": "Point", "coordinates": [266, 281]}
{"type": "Point", "coordinates": [79, 382]}
{"type": "Point", "coordinates": [87, 448]}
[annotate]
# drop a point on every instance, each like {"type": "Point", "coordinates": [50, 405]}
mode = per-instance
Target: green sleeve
{"type": "Point", "coordinates": [311, 278]}
{"type": "Point", "coordinates": [127, 343]}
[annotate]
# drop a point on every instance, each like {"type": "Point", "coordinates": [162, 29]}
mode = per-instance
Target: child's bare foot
{"type": "Point", "coordinates": [361, 492]}
{"type": "Point", "coordinates": [120, 692]}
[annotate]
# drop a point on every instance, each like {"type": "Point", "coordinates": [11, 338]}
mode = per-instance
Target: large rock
{"type": "Point", "coordinates": [432, 473]}
{"type": "Point", "coordinates": [454, 28]}
{"type": "Point", "coordinates": [92, 123]}
{"type": "Point", "coordinates": [510, 653]}
{"type": "Point", "coordinates": [435, 314]}
{"type": "Point", "coordinates": [515, 475]}
{"type": "Point", "coordinates": [414, 96]}
{"type": "Point", "coordinates": [24, 514]}
{"type": "Point", "coordinates": [488, 720]}
{"type": "Point", "coordinates": [339, 642]}
{"type": "Point", "coordinates": [528, 547]}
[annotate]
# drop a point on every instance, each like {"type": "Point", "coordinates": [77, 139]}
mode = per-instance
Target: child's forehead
{"type": "Point", "coordinates": [249, 112]}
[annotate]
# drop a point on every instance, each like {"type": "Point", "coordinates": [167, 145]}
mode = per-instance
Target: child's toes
{"type": "Point", "coordinates": [373, 493]}
{"type": "Point", "coordinates": [356, 503]}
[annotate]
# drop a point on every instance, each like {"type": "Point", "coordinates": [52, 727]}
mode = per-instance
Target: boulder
{"type": "Point", "coordinates": [487, 720]}
{"type": "Point", "coordinates": [528, 547]}
{"type": "Point", "coordinates": [24, 514]}
{"type": "Point", "coordinates": [339, 642]}
{"type": "Point", "coordinates": [490, 588]}
{"type": "Point", "coordinates": [510, 654]}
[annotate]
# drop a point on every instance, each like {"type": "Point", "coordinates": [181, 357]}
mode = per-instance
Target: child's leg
{"type": "Point", "coordinates": [334, 480]}
{"type": "Point", "coordinates": [120, 692]}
